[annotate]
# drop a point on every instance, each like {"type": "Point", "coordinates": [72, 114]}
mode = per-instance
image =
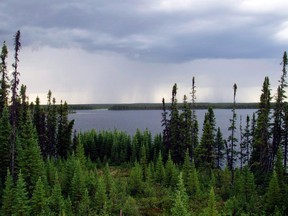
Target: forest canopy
{"type": "Point", "coordinates": [48, 169]}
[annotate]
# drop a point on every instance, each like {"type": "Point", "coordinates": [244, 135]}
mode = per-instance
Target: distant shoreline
{"type": "Point", "coordinates": [158, 106]}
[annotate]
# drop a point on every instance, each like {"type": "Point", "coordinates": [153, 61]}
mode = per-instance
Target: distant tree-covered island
{"type": "Point", "coordinates": [47, 168]}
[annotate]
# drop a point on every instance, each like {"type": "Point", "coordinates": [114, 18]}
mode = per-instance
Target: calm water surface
{"type": "Point", "coordinates": [129, 120]}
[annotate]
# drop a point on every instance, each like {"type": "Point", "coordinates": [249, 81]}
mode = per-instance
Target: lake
{"type": "Point", "coordinates": [129, 120]}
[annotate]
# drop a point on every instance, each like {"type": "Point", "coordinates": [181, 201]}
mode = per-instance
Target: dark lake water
{"type": "Point", "coordinates": [129, 120]}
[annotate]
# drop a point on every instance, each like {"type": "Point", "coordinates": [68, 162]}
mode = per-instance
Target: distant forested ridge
{"type": "Point", "coordinates": [158, 106]}
{"type": "Point", "coordinates": [47, 168]}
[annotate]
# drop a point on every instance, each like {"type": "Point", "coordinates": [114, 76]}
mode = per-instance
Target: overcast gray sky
{"type": "Point", "coordinates": [125, 51]}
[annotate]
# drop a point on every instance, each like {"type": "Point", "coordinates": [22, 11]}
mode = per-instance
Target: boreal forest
{"type": "Point", "coordinates": [48, 168]}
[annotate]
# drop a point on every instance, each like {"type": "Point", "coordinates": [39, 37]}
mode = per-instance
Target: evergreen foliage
{"type": "Point", "coordinates": [5, 137]}
{"type": "Point", "coordinates": [180, 206]}
{"type": "Point", "coordinates": [260, 157]}
{"type": "Point", "coordinates": [8, 195]}
{"type": "Point", "coordinates": [44, 172]}
{"type": "Point", "coordinates": [21, 201]}
{"type": "Point", "coordinates": [4, 82]}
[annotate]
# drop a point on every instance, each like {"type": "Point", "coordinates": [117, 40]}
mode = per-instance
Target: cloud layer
{"type": "Point", "coordinates": [131, 51]}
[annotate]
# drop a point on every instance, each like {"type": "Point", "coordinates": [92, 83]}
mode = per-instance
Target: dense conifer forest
{"type": "Point", "coordinates": [48, 169]}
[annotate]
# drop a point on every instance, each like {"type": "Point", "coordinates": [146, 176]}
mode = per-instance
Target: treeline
{"type": "Point", "coordinates": [158, 106]}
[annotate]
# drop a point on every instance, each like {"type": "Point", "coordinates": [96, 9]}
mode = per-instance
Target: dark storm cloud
{"type": "Point", "coordinates": [148, 30]}
{"type": "Point", "coordinates": [148, 45]}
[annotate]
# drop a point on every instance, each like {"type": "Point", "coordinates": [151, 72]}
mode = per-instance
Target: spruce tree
{"type": "Point", "coordinates": [80, 154]}
{"type": "Point", "coordinates": [273, 195]}
{"type": "Point", "coordinates": [101, 198]}
{"type": "Point", "coordinates": [171, 176]}
{"type": "Point", "coordinates": [77, 186]}
{"type": "Point", "coordinates": [135, 181]}
{"type": "Point", "coordinates": [194, 122]}
{"type": "Point", "coordinates": [159, 173]}
{"type": "Point", "coordinates": [285, 136]}
{"type": "Point", "coordinates": [39, 200]}
{"type": "Point", "coordinates": [8, 195]}
{"type": "Point", "coordinates": [232, 139]}
{"type": "Point", "coordinates": [51, 129]}
{"type": "Point", "coordinates": [56, 201]}
{"type": "Point", "coordinates": [245, 191]}
{"type": "Point", "coordinates": [219, 149]}
{"type": "Point", "coordinates": [84, 205]}
{"type": "Point", "coordinates": [174, 123]}
{"type": "Point", "coordinates": [39, 121]}
{"type": "Point", "coordinates": [186, 168]}
{"type": "Point", "coordinates": [21, 205]}
{"type": "Point", "coordinates": [64, 132]}
{"type": "Point", "coordinates": [186, 128]}
{"type": "Point", "coordinates": [211, 210]}
{"type": "Point", "coordinates": [204, 152]}
{"type": "Point", "coordinates": [5, 137]}
{"type": "Point", "coordinates": [278, 114]}
{"type": "Point", "coordinates": [194, 187]}
{"type": "Point", "coordinates": [180, 205]}
{"type": "Point", "coordinates": [166, 129]}
{"type": "Point", "coordinates": [14, 100]}
{"type": "Point", "coordinates": [29, 155]}
{"type": "Point", "coordinates": [4, 82]}
{"type": "Point", "coordinates": [246, 142]}
{"type": "Point", "coordinates": [260, 157]}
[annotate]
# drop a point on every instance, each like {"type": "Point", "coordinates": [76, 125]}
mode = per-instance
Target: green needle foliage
{"type": "Point", "coordinates": [44, 171]}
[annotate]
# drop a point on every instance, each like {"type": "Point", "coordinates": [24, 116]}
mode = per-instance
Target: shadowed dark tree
{"type": "Point", "coordinates": [232, 139]}
{"type": "Point", "coordinates": [64, 132]}
{"type": "Point", "coordinates": [186, 128]}
{"type": "Point", "coordinates": [246, 142]}
{"type": "Point", "coordinates": [39, 121]}
{"type": "Point", "coordinates": [4, 83]}
{"type": "Point", "coordinates": [279, 112]}
{"type": "Point", "coordinates": [51, 126]}
{"type": "Point", "coordinates": [165, 125]}
{"type": "Point", "coordinates": [260, 157]}
{"type": "Point", "coordinates": [194, 122]}
{"type": "Point", "coordinates": [5, 137]}
{"type": "Point", "coordinates": [174, 125]}
{"type": "Point", "coordinates": [219, 149]}
{"type": "Point", "coordinates": [204, 153]}
{"type": "Point", "coordinates": [14, 100]}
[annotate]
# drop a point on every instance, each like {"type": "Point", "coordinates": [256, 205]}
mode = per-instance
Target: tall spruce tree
{"type": "Point", "coordinates": [285, 136]}
{"type": "Point", "coordinates": [174, 124]}
{"type": "Point", "coordinates": [232, 138]}
{"type": "Point", "coordinates": [4, 82]}
{"type": "Point", "coordinates": [260, 157]}
{"type": "Point", "coordinates": [14, 100]}
{"type": "Point", "coordinates": [194, 122]}
{"type": "Point", "coordinates": [186, 128]}
{"type": "Point", "coordinates": [51, 130]}
{"type": "Point", "coordinates": [246, 142]}
{"type": "Point", "coordinates": [29, 155]}
{"type": "Point", "coordinates": [278, 114]}
{"type": "Point", "coordinates": [64, 132]}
